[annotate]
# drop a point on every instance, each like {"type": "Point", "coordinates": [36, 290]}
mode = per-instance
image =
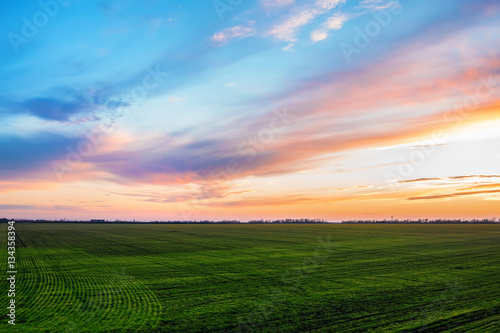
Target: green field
{"type": "Point", "coordinates": [260, 278]}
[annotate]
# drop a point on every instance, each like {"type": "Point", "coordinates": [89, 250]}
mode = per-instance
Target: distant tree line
{"type": "Point", "coordinates": [263, 221]}
{"type": "Point", "coordinates": [100, 221]}
{"type": "Point", "coordinates": [171, 221]}
{"type": "Point", "coordinates": [427, 221]}
{"type": "Point", "coordinates": [290, 221]}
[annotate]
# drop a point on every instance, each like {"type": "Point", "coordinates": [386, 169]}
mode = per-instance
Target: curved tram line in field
{"type": "Point", "coordinates": [70, 297]}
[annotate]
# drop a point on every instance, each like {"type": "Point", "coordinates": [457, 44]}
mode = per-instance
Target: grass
{"type": "Point", "coordinates": [261, 278]}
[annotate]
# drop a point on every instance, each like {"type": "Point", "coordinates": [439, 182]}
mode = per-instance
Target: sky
{"type": "Point", "coordinates": [240, 109]}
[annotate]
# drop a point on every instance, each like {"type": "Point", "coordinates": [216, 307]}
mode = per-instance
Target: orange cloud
{"type": "Point", "coordinates": [454, 195]}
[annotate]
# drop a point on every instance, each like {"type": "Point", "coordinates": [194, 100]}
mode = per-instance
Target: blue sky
{"type": "Point", "coordinates": [139, 104]}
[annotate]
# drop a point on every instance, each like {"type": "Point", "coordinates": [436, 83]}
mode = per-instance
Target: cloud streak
{"type": "Point", "coordinates": [287, 30]}
{"type": "Point", "coordinates": [334, 22]}
{"type": "Point", "coordinates": [239, 31]}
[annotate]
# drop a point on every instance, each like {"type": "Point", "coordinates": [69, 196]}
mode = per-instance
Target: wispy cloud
{"type": "Point", "coordinates": [419, 180]}
{"type": "Point", "coordinates": [454, 195]}
{"type": "Point", "coordinates": [33, 207]}
{"type": "Point", "coordinates": [378, 4]}
{"type": "Point", "coordinates": [334, 22]}
{"type": "Point", "coordinates": [62, 104]}
{"type": "Point", "coordinates": [455, 187]}
{"type": "Point", "coordinates": [240, 31]}
{"type": "Point", "coordinates": [287, 30]}
{"type": "Point", "coordinates": [16, 207]}
{"type": "Point", "coordinates": [451, 180]}
{"type": "Point", "coordinates": [328, 4]}
{"type": "Point", "coordinates": [289, 47]}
